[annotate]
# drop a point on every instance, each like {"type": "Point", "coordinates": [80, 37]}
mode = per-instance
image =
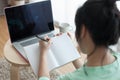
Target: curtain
{"type": "Point", "coordinates": [64, 10]}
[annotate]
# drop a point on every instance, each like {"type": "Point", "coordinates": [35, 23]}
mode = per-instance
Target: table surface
{"type": "Point", "coordinates": [12, 55]}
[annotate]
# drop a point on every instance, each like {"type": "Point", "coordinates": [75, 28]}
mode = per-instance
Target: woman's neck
{"type": "Point", "coordinates": [101, 56]}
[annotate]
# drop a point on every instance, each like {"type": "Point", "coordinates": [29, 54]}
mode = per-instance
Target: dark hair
{"type": "Point", "coordinates": [102, 19]}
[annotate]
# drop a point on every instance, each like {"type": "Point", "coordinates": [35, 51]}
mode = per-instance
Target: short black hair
{"type": "Point", "coordinates": [102, 20]}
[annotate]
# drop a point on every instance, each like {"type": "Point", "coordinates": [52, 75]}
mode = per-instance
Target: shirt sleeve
{"type": "Point", "coordinates": [63, 77]}
{"type": "Point", "coordinates": [70, 76]}
{"type": "Point", "coordinates": [44, 78]}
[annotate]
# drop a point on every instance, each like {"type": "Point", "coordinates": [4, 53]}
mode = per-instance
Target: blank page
{"type": "Point", "coordinates": [33, 54]}
{"type": "Point", "coordinates": [63, 49]}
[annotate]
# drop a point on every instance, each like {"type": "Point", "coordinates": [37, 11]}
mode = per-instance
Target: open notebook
{"type": "Point", "coordinates": [62, 51]}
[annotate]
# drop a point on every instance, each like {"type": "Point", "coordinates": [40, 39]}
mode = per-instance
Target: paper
{"type": "Point", "coordinates": [61, 52]}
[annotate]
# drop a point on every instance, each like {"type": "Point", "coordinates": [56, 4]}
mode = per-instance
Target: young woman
{"type": "Point", "coordinates": [97, 27]}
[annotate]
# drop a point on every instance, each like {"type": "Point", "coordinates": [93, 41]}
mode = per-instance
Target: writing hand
{"type": "Point", "coordinates": [44, 46]}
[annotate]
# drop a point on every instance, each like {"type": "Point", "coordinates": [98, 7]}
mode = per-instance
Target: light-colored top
{"type": "Point", "coordinates": [107, 72]}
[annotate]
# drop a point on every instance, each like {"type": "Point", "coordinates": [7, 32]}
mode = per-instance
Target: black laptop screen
{"type": "Point", "coordinates": [28, 20]}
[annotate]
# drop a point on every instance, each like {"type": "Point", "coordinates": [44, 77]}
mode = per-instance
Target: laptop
{"type": "Point", "coordinates": [26, 21]}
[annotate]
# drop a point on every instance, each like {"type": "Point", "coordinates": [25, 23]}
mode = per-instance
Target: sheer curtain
{"type": "Point", "coordinates": [64, 10]}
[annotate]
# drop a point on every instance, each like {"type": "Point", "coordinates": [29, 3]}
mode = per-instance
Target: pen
{"type": "Point", "coordinates": [41, 38]}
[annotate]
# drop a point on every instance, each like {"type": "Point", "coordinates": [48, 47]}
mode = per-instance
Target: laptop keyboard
{"type": "Point", "coordinates": [35, 40]}
{"type": "Point", "coordinates": [29, 42]}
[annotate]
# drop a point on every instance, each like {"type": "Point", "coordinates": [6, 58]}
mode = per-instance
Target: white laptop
{"type": "Point", "coordinates": [27, 21]}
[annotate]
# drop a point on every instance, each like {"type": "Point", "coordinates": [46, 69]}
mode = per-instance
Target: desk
{"type": "Point", "coordinates": [15, 59]}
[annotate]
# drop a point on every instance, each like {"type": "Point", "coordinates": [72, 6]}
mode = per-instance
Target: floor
{"type": "Point", "coordinates": [3, 34]}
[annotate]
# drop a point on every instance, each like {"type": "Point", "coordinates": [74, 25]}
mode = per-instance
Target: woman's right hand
{"type": "Point", "coordinates": [43, 67]}
{"type": "Point", "coordinates": [44, 46]}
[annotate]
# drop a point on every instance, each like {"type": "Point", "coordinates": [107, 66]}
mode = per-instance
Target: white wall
{"type": "Point", "coordinates": [71, 8]}
{"type": "Point", "coordinates": [64, 10]}
{"type": "Point", "coordinates": [58, 7]}
{"type": "Point", "coordinates": [118, 5]}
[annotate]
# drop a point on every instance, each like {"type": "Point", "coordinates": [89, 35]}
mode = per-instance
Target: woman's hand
{"type": "Point", "coordinates": [67, 34]}
{"type": "Point", "coordinates": [43, 67]}
{"type": "Point", "coordinates": [44, 46]}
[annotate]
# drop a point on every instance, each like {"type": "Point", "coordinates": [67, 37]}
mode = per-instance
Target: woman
{"type": "Point", "coordinates": [97, 27]}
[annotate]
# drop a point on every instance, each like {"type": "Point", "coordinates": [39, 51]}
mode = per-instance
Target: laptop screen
{"type": "Point", "coordinates": [28, 20]}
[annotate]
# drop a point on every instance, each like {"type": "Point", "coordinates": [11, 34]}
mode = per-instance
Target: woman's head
{"type": "Point", "coordinates": [101, 19]}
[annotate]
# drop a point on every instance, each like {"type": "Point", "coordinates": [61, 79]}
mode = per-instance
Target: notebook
{"type": "Point", "coordinates": [26, 21]}
{"type": "Point", "coordinates": [61, 52]}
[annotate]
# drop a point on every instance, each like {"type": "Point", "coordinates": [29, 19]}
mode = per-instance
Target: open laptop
{"type": "Point", "coordinates": [26, 21]}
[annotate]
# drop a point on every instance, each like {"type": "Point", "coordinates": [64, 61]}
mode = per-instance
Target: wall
{"type": "Point", "coordinates": [64, 10]}
{"type": "Point", "coordinates": [118, 5]}
{"type": "Point", "coordinates": [71, 8]}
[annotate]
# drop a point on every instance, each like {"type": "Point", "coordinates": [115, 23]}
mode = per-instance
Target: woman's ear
{"type": "Point", "coordinates": [83, 32]}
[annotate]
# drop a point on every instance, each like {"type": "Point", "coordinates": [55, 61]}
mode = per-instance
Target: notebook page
{"type": "Point", "coordinates": [64, 49]}
{"type": "Point", "coordinates": [33, 54]}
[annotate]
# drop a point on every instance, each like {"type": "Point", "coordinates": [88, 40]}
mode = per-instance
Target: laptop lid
{"type": "Point", "coordinates": [29, 20]}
